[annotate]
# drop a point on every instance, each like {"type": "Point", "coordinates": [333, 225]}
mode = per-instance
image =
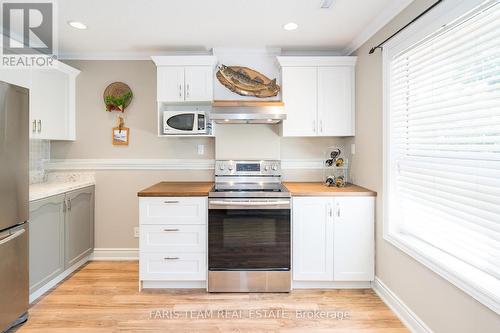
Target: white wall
{"type": "Point", "coordinates": [443, 307]}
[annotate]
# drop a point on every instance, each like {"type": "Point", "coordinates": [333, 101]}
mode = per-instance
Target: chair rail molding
{"type": "Point", "coordinates": [160, 164]}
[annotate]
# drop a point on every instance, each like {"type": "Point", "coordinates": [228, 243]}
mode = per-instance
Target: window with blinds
{"type": "Point", "coordinates": [444, 148]}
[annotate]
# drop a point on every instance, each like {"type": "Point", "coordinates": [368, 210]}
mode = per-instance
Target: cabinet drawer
{"type": "Point", "coordinates": [173, 266]}
{"type": "Point", "coordinates": [173, 238]}
{"type": "Point", "coordinates": [173, 210]}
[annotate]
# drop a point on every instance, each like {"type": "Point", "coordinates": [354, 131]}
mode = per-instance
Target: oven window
{"type": "Point", "coordinates": [182, 122]}
{"type": "Point", "coordinates": [252, 239]}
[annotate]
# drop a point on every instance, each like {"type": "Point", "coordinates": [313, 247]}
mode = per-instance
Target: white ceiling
{"type": "Point", "coordinates": [138, 28]}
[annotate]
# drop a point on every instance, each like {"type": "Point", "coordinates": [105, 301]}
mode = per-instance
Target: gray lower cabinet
{"type": "Point", "coordinates": [79, 227]}
{"type": "Point", "coordinates": [46, 241]}
{"type": "Point", "coordinates": [61, 234]}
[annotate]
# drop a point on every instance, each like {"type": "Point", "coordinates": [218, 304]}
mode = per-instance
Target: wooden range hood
{"type": "Point", "coordinates": [247, 112]}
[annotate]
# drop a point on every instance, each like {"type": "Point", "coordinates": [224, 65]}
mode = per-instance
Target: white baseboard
{"type": "Point", "coordinates": [404, 313]}
{"type": "Point", "coordinates": [113, 254]}
{"type": "Point", "coordinates": [52, 283]}
{"type": "Point", "coordinates": [331, 285]}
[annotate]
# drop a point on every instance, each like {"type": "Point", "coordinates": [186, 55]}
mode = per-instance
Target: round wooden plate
{"type": "Point", "coordinates": [116, 89]}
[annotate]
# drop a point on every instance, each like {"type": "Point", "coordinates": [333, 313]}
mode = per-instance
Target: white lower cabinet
{"type": "Point", "coordinates": [333, 239]}
{"type": "Point", "coordinates": [173, 266]}
{"type": "Point", "coordinates": [173, 241]}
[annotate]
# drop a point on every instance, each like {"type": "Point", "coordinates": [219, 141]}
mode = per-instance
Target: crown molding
{"type": "Point", "coordinates": [375, 25]}
{"type": "Point", "coordinates": [143, 55]}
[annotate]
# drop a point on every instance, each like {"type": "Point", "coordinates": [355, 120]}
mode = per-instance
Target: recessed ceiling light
{"type": "Point", "coordinates": [290, 26]}
{"type": "Point", "coordinates": [77, 25]}
{"type": "Point", "coordinates": [226, 120]}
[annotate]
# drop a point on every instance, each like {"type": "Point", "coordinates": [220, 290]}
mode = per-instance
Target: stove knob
{"type": "Point", "coordinates": [266, 168]}
{"type": "Point", "coordinates": [275, 167]}
{"type": "Point", "coordinates": [230, 167]}
{"type": "Point", "coordinates": [221, 167]}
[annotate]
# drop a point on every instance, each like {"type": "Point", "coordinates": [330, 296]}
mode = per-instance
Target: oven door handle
{"type": "Point", "coordinates": [249, 203]}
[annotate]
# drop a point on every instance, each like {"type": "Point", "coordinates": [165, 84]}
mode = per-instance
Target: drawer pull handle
{"type": "Point", "coordinates": [171, 201]}
{"type": "Point", "coordinates": [171, 258]}
{"type": "Point", "coordinates": [170, 229]}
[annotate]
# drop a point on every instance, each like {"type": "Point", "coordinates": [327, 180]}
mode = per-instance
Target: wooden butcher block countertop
{"type": "Point", "coordinates": [317, 189]}
{"type": "Point", "coordinates": [177, 189]}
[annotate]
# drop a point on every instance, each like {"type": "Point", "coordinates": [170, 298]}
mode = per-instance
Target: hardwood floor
{"type": "Point", "coordinates": [104, 297]}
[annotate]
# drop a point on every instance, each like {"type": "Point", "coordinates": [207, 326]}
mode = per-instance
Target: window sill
{"type": "Point", "coordinates": [472, 281]}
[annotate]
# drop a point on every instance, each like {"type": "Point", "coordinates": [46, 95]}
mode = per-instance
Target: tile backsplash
{"type": "Point", "coordinates": [39, 153]}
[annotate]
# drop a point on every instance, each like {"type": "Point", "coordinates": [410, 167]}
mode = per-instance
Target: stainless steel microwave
{"type": "Point", "coordinates": [184, 122]}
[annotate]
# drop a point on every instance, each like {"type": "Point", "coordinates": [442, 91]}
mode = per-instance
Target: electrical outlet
{"type": "Point", "coordinates": [201, 149]}
{"type": "Point", "coordinates": [136, 232]}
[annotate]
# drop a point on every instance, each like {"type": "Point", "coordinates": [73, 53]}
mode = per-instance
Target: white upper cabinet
{"type": "Point", "coordinates": [318, 93]}
{"type": "Point", "coordinates": [170, 83]}
{"type": "Point", "coordinates": [336, 101]}
{"type": "Point", "coordinates": [198, 83]}
{"type": "Point", "coordinates": [333, 239]}
{"type": "Point", "coordinates": [299, 94]}
{"type": "Point", "coordinates": [184, 78]}
{"type": "Point", "coordinates": [52, 99]}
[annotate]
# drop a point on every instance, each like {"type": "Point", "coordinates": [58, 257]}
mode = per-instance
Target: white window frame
{"type": "Point", "coordinates": [438, 18]}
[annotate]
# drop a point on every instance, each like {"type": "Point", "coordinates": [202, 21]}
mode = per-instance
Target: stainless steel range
{"type": "Point", "coordinates": [249, 228]}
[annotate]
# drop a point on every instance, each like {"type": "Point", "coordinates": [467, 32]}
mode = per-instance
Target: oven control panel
{"type": "Point", "coordinates": [247, 168]}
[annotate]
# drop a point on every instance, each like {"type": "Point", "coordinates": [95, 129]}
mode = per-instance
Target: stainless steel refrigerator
{"type": "Point", "coordinates": [14, 197]}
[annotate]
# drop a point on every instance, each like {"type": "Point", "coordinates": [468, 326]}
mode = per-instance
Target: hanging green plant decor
{"type": "Point", "coordinates": [117, 97]}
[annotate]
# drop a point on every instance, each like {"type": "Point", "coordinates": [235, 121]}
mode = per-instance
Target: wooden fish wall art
{"type": "Point", "coordinates": [247, 82]}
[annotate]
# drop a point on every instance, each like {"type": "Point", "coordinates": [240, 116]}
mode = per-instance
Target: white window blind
{"type": "Point", "coordinates": [444, 145]}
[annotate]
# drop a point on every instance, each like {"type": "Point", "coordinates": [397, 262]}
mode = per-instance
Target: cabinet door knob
{"type": "Point", "coordinates": [314, 125]}
{"type": "Point", "coordinates": [34, 126]}
{"type": "Point", "coordinates": [180, 90]}
{"type": "Point", "coordinates": [171, 258]}
{"type": "Point", "coordinates": [39, 126]}
{"type": "Point", "coordinates": [321, 126]}
{"type": "Point", "coordinates": [170, 229]}
{"type": "Point", "coordinates": [187, 89]}
{"type": "Point", "coordinates": [171, 201]}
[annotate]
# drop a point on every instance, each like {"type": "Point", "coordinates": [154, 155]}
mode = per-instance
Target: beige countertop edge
{"type": "Point", "coordinates": [297, 189]}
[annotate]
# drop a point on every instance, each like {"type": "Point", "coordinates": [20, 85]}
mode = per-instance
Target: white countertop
{"type": "Point", "coordinates": [44, 190]}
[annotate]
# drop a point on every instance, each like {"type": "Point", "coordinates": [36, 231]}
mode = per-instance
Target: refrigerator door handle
{"type": "Point", "coordinates": [12, 236]}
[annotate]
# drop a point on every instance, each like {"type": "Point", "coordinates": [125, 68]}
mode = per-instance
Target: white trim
{"type": "Point", "coordinates": [264, 51]}
{"type": "Point", "coordinates": [129, 164]}
{"type": "Point", "coordinates": [402, 311]}
{"type": "Point", "coordinates": [331, 285]}
{"type": "Point", "coordinates": [438, 18]}
{"type": "Point", "coordinates": [125, 55]}
{"type": "Point", "coordinates": [289, 61]}
{"type": "Point", "coordinates": [161, 164]}
{"type": "Point", "coordinates": [114, 254]}
{"type": "Point", "coordinates": [174, 284]}
{"type": "Point", "coordinates": [390, 12]}
{"type": "Point", "coordinates": [185, 60]}
{"type": "Point", "coordinates": [483, 296]}
{"type": "Point", "coordinates": [52, 283]}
